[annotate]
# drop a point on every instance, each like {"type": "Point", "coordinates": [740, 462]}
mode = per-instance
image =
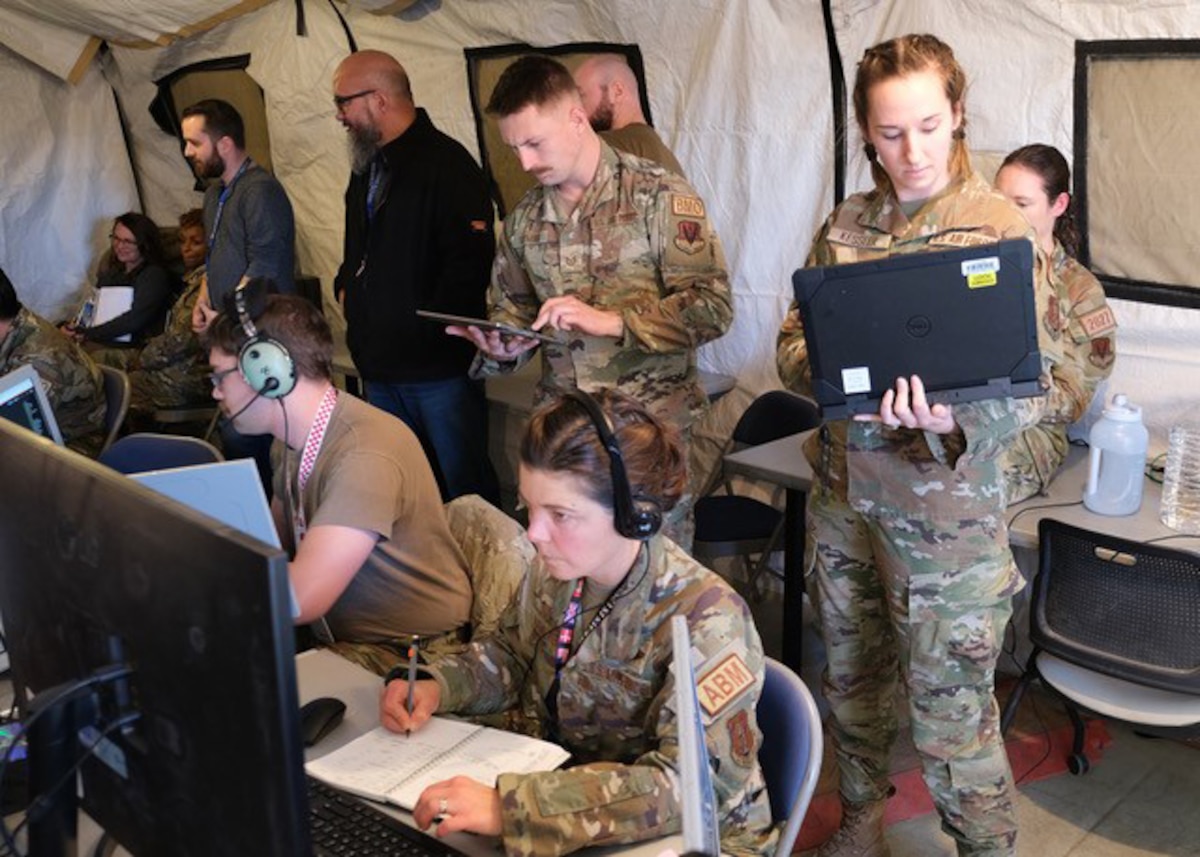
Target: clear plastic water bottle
{"type": "Point", "coordinates": [1117, 466]}
{"type": "Point", "coordinates": [1180, 508]}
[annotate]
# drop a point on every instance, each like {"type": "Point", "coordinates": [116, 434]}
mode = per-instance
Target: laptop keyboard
{"type": "Point", "coordinates": [345, 826]}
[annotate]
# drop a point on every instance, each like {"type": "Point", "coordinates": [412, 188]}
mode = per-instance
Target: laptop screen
{"type": "Point", "coordinates": [23, 401]}
{"type": "Point", "coordinates": [700, 831]}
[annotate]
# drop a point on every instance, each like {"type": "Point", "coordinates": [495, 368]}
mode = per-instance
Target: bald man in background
{"type": "Point", "coordinates": [609, 91]}
{"type": "Point", "coordinates": [419, 235]}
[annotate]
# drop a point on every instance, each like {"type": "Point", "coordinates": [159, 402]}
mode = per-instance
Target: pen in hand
{"type": "Point", "coordinates": [412, 679]}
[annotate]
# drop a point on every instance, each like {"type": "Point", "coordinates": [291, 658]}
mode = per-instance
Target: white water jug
{"type": "Point", "coordinates": [1117, 466]}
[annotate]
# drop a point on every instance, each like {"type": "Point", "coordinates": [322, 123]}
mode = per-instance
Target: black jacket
{"type": "Point", "coordinates": [429, 246]}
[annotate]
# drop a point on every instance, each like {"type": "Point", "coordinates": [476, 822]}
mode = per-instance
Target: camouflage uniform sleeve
{"type": "Point", "coordinates": [606, 803]}
{"type": "Point", "coordinates": [511, 300]}
{"type": "Point", "coordinates": [791, 351]}
{"type": "Point", "coordinates": [1088, 344]}
{"type": "Point", "coordinates": [178, 341]}
{"type": "Point", "coordinates": [696, 306]}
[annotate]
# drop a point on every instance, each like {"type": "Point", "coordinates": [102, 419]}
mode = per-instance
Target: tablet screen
{"type": "Point", "coordinates": [484, 324]}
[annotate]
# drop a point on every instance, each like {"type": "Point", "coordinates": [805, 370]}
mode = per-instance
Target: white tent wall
{"type": "Point", "coordinates": [739, 89]}
{"type": "Point", "coordinates": [66, 173]}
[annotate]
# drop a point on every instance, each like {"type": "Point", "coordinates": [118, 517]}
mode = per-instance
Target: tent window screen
{"type": "Point", "coordinates": [227, 80]}
{"type": "Point", "coordinates": [484, 67]}
{"type": "Point", "coordinates": [1137, 175]}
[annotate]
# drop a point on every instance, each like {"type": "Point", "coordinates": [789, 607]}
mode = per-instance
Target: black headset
{"type": "Point", "coordinates": [633, 517]}
{"type": "Point", "coordinates": [263, 362]}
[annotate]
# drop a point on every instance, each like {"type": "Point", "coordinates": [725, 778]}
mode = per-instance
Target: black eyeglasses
{"type": "Point", "coordinates": [340, 101]}
{"type": "Point", "coordinates": [126, 242]}
{"type": "Point", "coordinates": [218, 377]}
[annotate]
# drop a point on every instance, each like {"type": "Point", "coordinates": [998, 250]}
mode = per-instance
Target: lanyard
{"type": "Point", "coordinates": [376, 177]}
{"type": "Point", "coordinates": [308, 458]}
{"type": "Point", "coordinates": [562, 653]}
{"type": "Point", "coordinates": [221, 200]}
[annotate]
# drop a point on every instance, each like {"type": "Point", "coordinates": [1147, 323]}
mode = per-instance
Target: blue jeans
{"type": "Point", "coordinates": [450, 419]}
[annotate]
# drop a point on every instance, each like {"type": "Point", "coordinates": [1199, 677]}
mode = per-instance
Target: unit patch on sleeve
{"type": "Point", "coordinates": [723, 683]}
{"type": "Point", "coordinates": [687, 206]}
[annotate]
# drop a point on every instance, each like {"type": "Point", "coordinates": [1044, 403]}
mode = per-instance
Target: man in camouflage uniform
{"type": "Point", "coordinates": [612, 252]}
{"type": "Point", "coordinates": [72, 381]}
{"type": "Point", "coordinates": [616, 713]}
{"type": "Point", "coordinates": [172, 369]}
{"type": "Point", "coordinates": [908, 560]}
{"type": "Point", "coordinates": [1078, 316]}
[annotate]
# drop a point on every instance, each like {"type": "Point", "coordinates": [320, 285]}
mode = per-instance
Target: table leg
{"type": "Point", "coordinates": [793, 577]}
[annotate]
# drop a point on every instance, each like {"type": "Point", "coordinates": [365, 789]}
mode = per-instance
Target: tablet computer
{"type": "Point", "coordinates": [484, 324]}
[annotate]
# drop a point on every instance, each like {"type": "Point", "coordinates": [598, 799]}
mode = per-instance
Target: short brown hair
{"type": "Point", "coordinates": [536, 80]}
{"type": "Point", "coordinates": [900, 57]}
{"type": "Point", "coordinates": [292, 321]}
{"type": "Point", "coordinates": [191, 219]}
{"type": "Point", "coordinates": [561, 438]}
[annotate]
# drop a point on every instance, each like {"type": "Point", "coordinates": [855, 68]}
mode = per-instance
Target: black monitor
{"type": "Point", "coordinates": [98, 573]}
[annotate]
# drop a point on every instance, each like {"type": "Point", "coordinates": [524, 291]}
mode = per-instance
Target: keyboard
{"type": "Point", "coordinates": [345, 826]}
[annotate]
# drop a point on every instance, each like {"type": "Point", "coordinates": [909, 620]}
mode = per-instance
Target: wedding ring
{"type": "Point", "coordinates": [443, 807]}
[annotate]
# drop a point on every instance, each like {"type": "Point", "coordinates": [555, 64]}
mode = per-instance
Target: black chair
{"type": "Point", "coordinates": [139, 452]}
{"type": "Point", "coordinates": [116, 396]}
{"type": "Point", "coordinates": [730, 524]}
{"type": "Point", "coordinates": [1115, 627]}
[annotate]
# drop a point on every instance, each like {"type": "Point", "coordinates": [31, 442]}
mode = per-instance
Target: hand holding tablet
{"type": "Point", "coordinates": [485, 325]}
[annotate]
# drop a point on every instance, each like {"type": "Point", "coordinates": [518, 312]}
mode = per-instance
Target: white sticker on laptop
{"type": "Point", "coordinates": [981, 273]}
{"type": "Point", "coordinates": [856, 380]}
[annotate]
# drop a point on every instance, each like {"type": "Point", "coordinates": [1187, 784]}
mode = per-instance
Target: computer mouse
{"type": "Point", "coordinates": [318, 717]}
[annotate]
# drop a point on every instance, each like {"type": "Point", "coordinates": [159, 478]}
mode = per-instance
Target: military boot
{"type": "Point", "coordinates": [861, 833]}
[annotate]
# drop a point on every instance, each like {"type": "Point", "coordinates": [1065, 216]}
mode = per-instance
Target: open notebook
{"type": "Point", "coordinates": [393, 768]}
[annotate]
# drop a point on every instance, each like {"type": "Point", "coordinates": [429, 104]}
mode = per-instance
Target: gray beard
{"type": "Point", "coordinates": [363, 147]}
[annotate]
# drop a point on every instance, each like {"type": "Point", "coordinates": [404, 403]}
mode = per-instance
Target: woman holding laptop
{"type": "Point", "coordinates": [908, 562]}
{"type": "Point", "coordinates": [582, 655]}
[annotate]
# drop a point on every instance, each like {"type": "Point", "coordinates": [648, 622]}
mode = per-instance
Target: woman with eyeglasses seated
{"type": "Point", "coordinates": [136, 261]}
{"type": "Point", "coordinates": [582, 655]}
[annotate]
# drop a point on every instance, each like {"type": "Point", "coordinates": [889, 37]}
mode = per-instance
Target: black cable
{"type": "Point", "coordinates": [1037, 712]}
{"type": "Point", "coordinates": [42, 802]}
{"type": "Point", "coordinates": [1021, 512]}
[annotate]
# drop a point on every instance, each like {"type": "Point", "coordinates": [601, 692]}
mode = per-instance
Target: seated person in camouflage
{"type": "Point", "coordinates": [373, 560]}
{"type": "Point", "coordinates": [72, 381]}
{"type": "Point", "coordinates": [613, 252]}
{"type": "Point", "coordinates": [172, 369]}
{"type": "Point", "coordinates": [1037, 180]}
{"type": "Point", "coordinates": [582, 654]}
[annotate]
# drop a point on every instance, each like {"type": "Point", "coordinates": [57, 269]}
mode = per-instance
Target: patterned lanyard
{"type": "Point", "coordinates": [566, 632]}
{"type": "Point", "coordinates": [221, 200]}
{"type": "Point", "coordinates": [308, 458]}
{"type": "Point", "coordinates": [562, 652]}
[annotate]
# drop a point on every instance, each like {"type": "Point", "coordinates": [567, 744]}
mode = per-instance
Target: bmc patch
{"type": "Point", "coordinates": [687, 206]}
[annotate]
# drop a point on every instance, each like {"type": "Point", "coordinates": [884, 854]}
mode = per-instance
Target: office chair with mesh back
{"type": "Point", "coordinates": [1115, 627]}
{"type": "Point", "coordinates": [729, 524]}
{"type": "Point", "coordinates": [142, 451]}
{"type": "Point", "coordinates": [791, 751]}
{"type": "Point", "coordinates": [116, 397]}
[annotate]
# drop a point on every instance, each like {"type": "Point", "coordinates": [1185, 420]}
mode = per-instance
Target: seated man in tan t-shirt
{"type": "Point", "coordinates": [374, 563]}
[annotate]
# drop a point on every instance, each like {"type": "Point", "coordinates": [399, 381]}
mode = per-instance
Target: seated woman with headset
{"type": "Point", "coordinates": [374, 561]}
{"type": "Point", "coordinates": [583, 652]}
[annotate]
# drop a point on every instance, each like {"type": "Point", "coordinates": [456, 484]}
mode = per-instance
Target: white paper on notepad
{"type": "Point", "coordinates": [112, 301]}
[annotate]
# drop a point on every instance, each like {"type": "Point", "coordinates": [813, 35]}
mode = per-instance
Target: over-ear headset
{"type": "Point", "coordinates": [263, 362]}
{"type": "Point", "coordinates": [633, 517]}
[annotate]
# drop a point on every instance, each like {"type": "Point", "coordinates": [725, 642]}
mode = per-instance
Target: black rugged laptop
{"type": "Point", "coordinates": [963, 320]}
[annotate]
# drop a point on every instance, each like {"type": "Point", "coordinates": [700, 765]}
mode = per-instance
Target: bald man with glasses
{"type": "Point", "coordinates": [419, 235]}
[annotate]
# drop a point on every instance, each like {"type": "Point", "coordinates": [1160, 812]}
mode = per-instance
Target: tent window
{"type": "Point", "coordinates": [1137, 169]}
{"type": "Point", "coordinates": [484, 67]}
{"type": "Point", "coordinates": [225, 79]}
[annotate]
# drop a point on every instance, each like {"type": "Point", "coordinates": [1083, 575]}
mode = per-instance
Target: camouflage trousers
{"type": "Point", "coordinates": [893, 607]}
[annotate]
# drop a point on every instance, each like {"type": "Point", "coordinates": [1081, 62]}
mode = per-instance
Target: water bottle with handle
{"type": "Point", "coordinates": [1116, 469]}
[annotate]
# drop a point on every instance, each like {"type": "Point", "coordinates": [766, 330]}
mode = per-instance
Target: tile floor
{"type": "Point", "coordinates": [1141, 798]}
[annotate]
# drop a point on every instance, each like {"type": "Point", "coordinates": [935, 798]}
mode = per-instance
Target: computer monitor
{"type": "Point", "coordinates": [23, 401]}
{"type": "Point", "coordinates": [97, 570]}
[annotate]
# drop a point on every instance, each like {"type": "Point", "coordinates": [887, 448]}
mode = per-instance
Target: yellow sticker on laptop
{"type": "Point", "coordinates": [981, 273]}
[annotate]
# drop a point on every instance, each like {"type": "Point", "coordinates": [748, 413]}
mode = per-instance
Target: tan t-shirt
{"type": "Point", "coordinates": [371, 474]}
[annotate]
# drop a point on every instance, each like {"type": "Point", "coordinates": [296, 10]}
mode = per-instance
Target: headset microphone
{"type": "Point", "coordinates": [269, 385]}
